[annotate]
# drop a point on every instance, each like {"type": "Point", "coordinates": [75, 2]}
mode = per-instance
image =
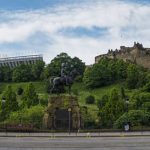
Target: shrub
{"type": "Point", "coordinates": [20, 91]}
{"type": "Point", "coordinates": [90, 99]}
{"type": "Point", "coordinates": [146, 88]}
{"type": "Point", "coordinates": [102, 102]}
{"type": "Point", "coordinates": [75, 92]}
{"type": "Point", "coordinates": [48, 85]}
{"type": "Point", "coordinates": [78, 78]}
{"type": "Point", "coordinates": [134, 117]}
{"type": "Point", "coordinates": [30, 97]}
{"type": "Point", "coordinates": [33, 115]}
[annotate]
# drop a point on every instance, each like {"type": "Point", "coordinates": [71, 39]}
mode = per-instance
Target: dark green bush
{"type": "Point", "coordinates": [79, 78]}
{"type": "Point", "coordinates": [75, 92]}
{"type": "Point", "coordinates": [102, 102]}
{"type": "Point", "coordinates": [90, 99]}
{"type": "Point", "coordinates": [20, 91]}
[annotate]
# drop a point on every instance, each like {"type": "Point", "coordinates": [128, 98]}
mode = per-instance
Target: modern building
{"type": "Point", "coordinates": [15, 61]}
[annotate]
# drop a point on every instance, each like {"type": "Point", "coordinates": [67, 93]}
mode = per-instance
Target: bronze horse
{"type": "Point", "coordinates": [59, 83]}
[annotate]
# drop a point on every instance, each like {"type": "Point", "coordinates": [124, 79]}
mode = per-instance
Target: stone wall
{"type": "Point", "coordinates": [62, 102]}
{"type": "Point", "coordinates": [136, 54]}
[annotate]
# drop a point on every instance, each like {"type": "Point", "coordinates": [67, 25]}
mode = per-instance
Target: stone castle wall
{"type": "Point", "coordinates": [136, 54]}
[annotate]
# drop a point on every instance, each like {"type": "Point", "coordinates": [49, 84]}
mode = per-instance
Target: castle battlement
{"type": "Point", "coordinates": [136, 54]}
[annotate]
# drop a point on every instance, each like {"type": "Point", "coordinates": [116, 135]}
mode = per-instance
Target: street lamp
{"type": "Point", "coordinates": [127, 103]}
{"type": "Point", "coordinates": [69, 110]}
{"type": "Point", "coordinates": [98, 124]}
{"type": "Point", "coordinates": [3, 112]}
{"type": "Point", "coordinates": [143, 116]}
{"type": "Point", "coordinates": [3, 103]}
{"type": "Point", "coordinates": [127, 127]}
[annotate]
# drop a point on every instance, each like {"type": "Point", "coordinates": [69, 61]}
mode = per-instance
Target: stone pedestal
{"type": "Point", "coordinates": [62, 111]}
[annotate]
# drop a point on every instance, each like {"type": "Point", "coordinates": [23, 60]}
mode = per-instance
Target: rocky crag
{"type": "Point", "coordinates": [136, 54]}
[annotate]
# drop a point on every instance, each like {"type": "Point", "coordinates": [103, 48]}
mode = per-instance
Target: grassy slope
{"type": "Point", "coordinates": [83, 92]}
{"type": "Point", "coordinates": [97, 93]}
{"type": "Point", "coordinates": [38, 85]}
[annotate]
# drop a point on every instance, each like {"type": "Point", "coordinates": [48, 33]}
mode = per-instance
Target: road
{"type": "Point", "coordinates": [75, 143]}
{"type": "Point", "coordinates": [93, 134]}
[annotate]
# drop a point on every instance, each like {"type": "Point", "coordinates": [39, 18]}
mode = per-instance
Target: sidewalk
{"type": "Point", "coordinates": [88, 134]}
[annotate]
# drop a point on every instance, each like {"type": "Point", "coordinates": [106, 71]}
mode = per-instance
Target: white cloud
{"type": "Point", "coordinates": [126, 22]}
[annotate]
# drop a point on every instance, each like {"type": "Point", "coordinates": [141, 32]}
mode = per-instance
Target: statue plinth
{"type": "Point", "coordinates": [62, 112]}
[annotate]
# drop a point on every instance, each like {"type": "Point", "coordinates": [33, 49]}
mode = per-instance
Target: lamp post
{"type": "Point", "coordinates": [143, 117]}
{"type": "Point", "coordinates": [98, 123]}
{"type": "Point", "coordinates": [126, 127]}
{"type": "Point", "coordinates": [3, 112]}
{"type": "Point", "coordinates": [127, 102]}
{"type": "Point", "coordinates": [3, 103]}
{"type": "Point", "coordinates": [69, 110]}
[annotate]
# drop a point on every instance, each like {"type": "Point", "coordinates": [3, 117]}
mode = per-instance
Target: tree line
{"type": "Point", "coordinates": [40, 71]}
{"type": "Point", "coordinates": [22, 73]}
{"type": "Point", "coordinates": [108, 71]}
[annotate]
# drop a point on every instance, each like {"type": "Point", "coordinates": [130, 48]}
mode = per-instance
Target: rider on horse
{"type": "Point", "coordinates": [64, 73]}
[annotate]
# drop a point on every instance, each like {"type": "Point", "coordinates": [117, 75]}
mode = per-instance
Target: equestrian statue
{"type": "Point", "coordinates": [64, 80]}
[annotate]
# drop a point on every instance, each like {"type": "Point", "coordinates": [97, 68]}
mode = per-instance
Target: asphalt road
{"type": "Point", "coordinates": [93, 134]}
{"type": "Point", "coordinates": [75, 143]}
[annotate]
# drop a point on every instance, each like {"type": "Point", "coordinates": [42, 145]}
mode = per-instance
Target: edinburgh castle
{"type": "Point", "coordinates": [136, 54]}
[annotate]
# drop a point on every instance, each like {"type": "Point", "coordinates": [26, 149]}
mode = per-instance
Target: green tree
{"type": "Point", "coordinates": [37, 69]}
{"type": "Point", "coordinates": [22, 73]}
{"type": "Point", "coordinates": [96, 76]}
{"type": "Point", "coordinates": [30, 97]}
{"type": "Point", "coordinates": [79, 65]}
{"type": "Point", "coordinates": [113, 109]}
{"type": "Point", "coordinates": [105, 72]}
{"type": "Point", "coordinates": [102, 102]}
{"type": "Point", "coordinates": [121, 68]}
{"type": "Point", "coordinates": [136, 76]}
{"type": "Point", "coordinates": [53, 69]}
{"type": "Point", "coordinates": [5, 74]}
{"type": "Point", "coordinates": [11, 103]}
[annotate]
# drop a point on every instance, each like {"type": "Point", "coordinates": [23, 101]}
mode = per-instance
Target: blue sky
{"type": "Point", "coordinates": [26, 4]}
{"type": "Point", "coordinates": [38, 4]}
{"type": "Point", "coordinates": [34, 4]}
{"type": "Point", "coordinates": [82, 28]}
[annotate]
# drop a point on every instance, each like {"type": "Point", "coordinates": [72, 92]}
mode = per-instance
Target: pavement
{"type": "Point", "coordinates": [87, 134]}
{"type": "Point", "coordinates": [76, 143]}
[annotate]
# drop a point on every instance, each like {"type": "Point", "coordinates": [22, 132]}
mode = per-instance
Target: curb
{"type": "Point", "coordinates": [70, 136]}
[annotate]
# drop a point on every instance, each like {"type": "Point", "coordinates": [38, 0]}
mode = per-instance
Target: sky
{"type": "Point", "coordinates": [82, 28]}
